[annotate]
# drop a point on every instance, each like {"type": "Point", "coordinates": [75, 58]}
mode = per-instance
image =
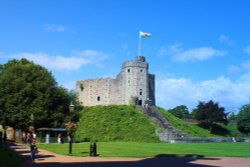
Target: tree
{"type": "Point", "coordinates": [193, 113]}
{"type": "Point", "coordinates": [243, 120]}
{"type": "Point", "coordinates": [210, 113]}
{"type": "Point", "coordinates": [1, 68]}
{"type": "Point", "coordinates": [232, 117]}
{"type": "Point", "coordinates": [180, 112]}
{"type": "Point", "coordinates": [26, 90]}
{"type": "Point", "coordinates": [77, 107]}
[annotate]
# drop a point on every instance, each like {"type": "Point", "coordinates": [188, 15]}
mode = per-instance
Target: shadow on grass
{"type": "Point", "coordinates": [22, 151]}
{"type": "Point", "coordinates": [160, 160]}
{"type": "Point", "coordinates": [84, 152]}
{"type": "Point", "coordinates": [9, 158]}
{"type": "Point", "coordinates": [216, 129]}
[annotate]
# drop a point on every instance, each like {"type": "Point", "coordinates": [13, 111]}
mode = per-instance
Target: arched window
{"type": "Point", "coordinates": [140, 91]}
{"type": "Point", "coordinates": [128, 70]}
{"type": "Point", "coordinates": [98, 98]}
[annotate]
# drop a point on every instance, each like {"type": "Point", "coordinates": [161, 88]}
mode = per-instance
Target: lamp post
{"type": "Point", "coordinates": [71, 107]}
{"type": "Point", "coordinates": [70, 126]}
{"type": "Point", "coordinates": [70, 145]}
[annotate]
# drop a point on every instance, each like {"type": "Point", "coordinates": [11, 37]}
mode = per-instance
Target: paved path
{"type": "Point", "coordinates": [48, 159]}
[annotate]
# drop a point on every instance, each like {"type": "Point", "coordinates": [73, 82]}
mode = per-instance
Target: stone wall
{"type": "Point", "coordinates": [133, 81]}
{"type": "Point", "coordinates": [97, 91]}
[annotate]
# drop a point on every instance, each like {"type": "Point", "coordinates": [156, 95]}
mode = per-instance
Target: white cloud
{"type": "Point", "coordinates": [246, 65]}
{"type": "Point", "coordinates": [63, 63]}
{"type": "Point", "coordinates": [247, 50]}
{"type": "Point", "coordinates": [54, 28]}
{"type": "Point", "coordinates": [197, 54]}
{"type": "Point", "coordinates": [172, 92]}
{"type": "Point", "coordinates": [243, 67]}
{"type": "Point", "coordinates": [224, 39]}
{"type": "Point", "coordinates": [172, 49]}
{"type": "Point", "coordinates": [179, 54]}
{"type": "Point", "coordinates": [92, 56]}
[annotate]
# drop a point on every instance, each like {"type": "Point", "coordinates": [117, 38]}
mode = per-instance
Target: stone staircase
{"type": "Point", "coordinates": [168, 132]}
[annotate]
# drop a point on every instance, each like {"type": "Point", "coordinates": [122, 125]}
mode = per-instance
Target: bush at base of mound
{"type": "Point", "coordinates": [114, 123]}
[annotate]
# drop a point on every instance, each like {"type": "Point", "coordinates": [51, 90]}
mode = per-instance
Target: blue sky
{"type": "Point", "coordinates": [199, 50]}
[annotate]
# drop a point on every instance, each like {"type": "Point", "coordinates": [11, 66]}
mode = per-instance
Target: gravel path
{"type": "Point", "coordinates": [48, 159]}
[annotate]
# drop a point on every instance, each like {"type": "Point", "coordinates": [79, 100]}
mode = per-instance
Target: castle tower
{"type": "Point", "coordinates": [136, 81]}
{"type": "Point", "coordinates": [133, 82]}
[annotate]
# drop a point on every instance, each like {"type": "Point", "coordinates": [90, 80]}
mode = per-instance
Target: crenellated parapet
{"type": "Point", "coordinates": [140, 62]}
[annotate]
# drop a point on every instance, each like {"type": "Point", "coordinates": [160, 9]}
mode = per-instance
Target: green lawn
{"type": "Point", "coordinates": [9, 159]}
{"type": "Point", "coordinates": [136, 149]}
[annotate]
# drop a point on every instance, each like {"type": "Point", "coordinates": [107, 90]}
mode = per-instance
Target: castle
{"type": "Point", "coordinates": [133, 85]}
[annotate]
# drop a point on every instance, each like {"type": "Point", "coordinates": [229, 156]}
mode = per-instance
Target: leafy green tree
{"type": "Point", "coordinates": [29, 91]}
{"type": "Point", "coordinates": [1, 68]}
{"type": "Point", "coordinates": [232, 116]}
{"type": "Point", "coordinates": [193, 113]}
{"type": "Point", "coordinates": [210, 113]}
{"type": "Point", "coordinates": [180, 112]}
{"type": "Point", "coordinates": [243, 120]}
{"type": "Point", "coordinates": [77, 107]}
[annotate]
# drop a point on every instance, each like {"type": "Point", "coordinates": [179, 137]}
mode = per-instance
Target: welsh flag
{"type": "Point", "coordinates": [144, 34]}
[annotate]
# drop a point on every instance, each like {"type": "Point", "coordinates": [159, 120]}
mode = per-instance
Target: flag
{"type": "Point", "coordinates": [144, 34]}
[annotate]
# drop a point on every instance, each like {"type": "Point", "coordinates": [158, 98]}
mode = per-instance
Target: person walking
{"type": "Point", "coordinates": [24, 138]}
{"type": "Point", "coordinates": [59, 138]}
{"type": "Point", "coordinates": [28, 138]}
{"type": "Point", "coordinates": [33, 149]}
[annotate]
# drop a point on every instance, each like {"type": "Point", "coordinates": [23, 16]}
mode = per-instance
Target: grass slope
{"type": "Point", "coordinates": [114, 123]}
{"type": "Point", "coordinates": [139, 149]}
{"type": "Point", "coordinates": [194, 130]}
{"type": "Point", "coordinates": [231, 130]}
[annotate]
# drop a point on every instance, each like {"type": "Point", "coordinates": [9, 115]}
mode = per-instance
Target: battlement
{"type": "Point", "coordinates": [140, 61]}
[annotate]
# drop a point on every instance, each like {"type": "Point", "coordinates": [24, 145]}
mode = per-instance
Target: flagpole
{"type": "Point", "coordinates": [139, 45]}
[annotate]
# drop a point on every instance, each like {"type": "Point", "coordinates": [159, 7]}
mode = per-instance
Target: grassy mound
{"type": "Point", "coordinates": [195, 130]}
{"type": "Point", "coordinates": [114, 123]}
{"type": "Point", "coordinates": [191, 130]}
{"type": "Point", "coordinates": [229, 130]}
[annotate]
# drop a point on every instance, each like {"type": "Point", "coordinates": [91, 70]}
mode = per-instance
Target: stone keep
{"type": "Point", "coordinates": [132, 85]}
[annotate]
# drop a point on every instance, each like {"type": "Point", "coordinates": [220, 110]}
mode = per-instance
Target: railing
{"type": "Point", "coordinates": [51, 139]}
